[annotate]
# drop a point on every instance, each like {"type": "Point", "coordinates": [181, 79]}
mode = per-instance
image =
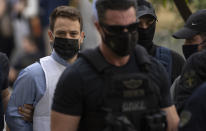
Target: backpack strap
{"type": "Point", "coordinates": [164, 56]}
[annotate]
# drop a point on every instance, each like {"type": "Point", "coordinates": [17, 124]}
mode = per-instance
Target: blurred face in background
{"type": "Point", "coordinates": [146, 29]}
{"type": "Point", "coordinates": [29, 46]}
{"type": "Point", "coordinates": [146, 21]}
{"type": "Point", "coordinates": [2, 7]}
{"type": "Point", "coordinates": [193, 45]}
{"type": "Point", "coordinates": [195, 40]}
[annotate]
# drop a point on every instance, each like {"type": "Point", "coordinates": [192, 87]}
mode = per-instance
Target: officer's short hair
{"type": "Point", "coordinates": [65, 12]}
{"type": "Point", "coordinates": [103, 5]}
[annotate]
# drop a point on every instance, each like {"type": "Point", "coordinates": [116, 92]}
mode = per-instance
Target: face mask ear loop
{"type": "Point", "coordinates": [53, 36]}
{"type": "Point", "coordinates": [79, 40]}
{"type": "Point", "coordinates": [52, 45]}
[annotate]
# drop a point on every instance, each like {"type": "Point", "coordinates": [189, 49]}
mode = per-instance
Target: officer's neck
{"type": "Point", "coordinates": [72, 60]}
{"type": "Point", "coordinates": [112, 58]}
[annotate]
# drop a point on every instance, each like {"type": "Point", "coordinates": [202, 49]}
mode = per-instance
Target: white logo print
{"type": "Point", "coordinates": [194, 24]}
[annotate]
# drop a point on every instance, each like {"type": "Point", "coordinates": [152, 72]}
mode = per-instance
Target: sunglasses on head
{"type": "Point", "coordinates": [120, 28]}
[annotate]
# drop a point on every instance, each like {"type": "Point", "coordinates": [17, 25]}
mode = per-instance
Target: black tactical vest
{"type": "Point", "coordinates": [131, 100]}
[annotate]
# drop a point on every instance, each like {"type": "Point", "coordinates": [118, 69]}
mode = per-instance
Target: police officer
{"type": "Point", "coordinates": [194, 33]}
{"type": "Point", "coordinates": [116, 85]}
{"type": "Point", "coordinates": [193, 116]}
{"type": "Point", "coordinates": [36, 83]}
{"type": "Point", "coordinates": [171, 60]}
{"type": "Point", "coordinates": [192, 76]}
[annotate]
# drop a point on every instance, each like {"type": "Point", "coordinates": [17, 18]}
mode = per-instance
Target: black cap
{"type": "Point", "coordinates": [195, 24]}
{"type": "Point", "coordinates": [145, 8]}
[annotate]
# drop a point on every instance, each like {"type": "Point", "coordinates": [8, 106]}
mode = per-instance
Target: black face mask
{"type": "Point", "coordinates": [188, 50]}
{"type": "Point", "coordinates": [146, 36]}
{"type": "Point", "coordinates": [66, 48]}
{"type": "Point", "coordinates": [121, 44]}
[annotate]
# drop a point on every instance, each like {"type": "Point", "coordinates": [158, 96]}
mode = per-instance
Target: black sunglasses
{"type": "Point", "coordinates": [119, 28]}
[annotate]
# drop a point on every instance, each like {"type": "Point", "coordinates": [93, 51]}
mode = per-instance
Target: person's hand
{"type": "Point", "coordinates": [27, 112]}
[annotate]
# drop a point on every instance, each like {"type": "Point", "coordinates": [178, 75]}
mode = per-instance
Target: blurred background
{"type": "Point", "coordinates": [24, 26]}
{"type": "Point", "coordinates": [171, 16]}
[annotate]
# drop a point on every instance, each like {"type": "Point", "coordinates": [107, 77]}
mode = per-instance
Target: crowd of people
{"type": "Point", "coordinates": [62, 69]}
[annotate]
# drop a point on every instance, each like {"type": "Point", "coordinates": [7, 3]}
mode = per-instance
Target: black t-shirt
{"type": "Point", "coordinates": [4, 69]}
{"type": "Point", "coordinates": [192, 76]}
{"type": "Point", "coordinates": [193, 117]}
{"type": "Point", "coordinates": [80, 87]}
{"type": "Point", "coordinates": [177, 62]}
{"type": "Point", "coordinates": [177, 65]}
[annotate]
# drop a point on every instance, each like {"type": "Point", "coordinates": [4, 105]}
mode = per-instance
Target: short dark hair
{"type": "Point", "coordinates": [65, 12]}
{"type": "Point", "coordinates": [103, 5]}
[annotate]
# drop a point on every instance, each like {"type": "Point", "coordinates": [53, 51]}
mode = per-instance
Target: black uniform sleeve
{"type": "Point", "coordinates": [4, 63]}
{"type": "Point", "coordinates": [161, 78]}
{"type": "Point", "coordinates": [192, 117]}
{"type": "Point", "coordinates": [68, 94]}
{"type": "Point", "coordinates": [177, 65]}
{"type": "Point", "coordinates": [193, 75]}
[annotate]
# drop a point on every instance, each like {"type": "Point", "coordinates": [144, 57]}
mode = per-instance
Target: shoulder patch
{"type": "Point", "coordinates": [185, 117]}
{"type": "Point", "coordinates": [189, 79]}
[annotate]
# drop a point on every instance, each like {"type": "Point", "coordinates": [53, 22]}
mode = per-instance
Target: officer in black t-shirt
{"type": "Point", "coordinates": [4, 92]}
{"type": "Point", "coordinates": [116, 86]}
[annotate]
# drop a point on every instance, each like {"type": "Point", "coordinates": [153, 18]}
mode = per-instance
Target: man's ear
{"type": "Point", "coordinates": [82, 34]}
{"type": "Point", "coordinates": [51, 37]}
{"type": "Point", "coordinates": [99, 28]}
